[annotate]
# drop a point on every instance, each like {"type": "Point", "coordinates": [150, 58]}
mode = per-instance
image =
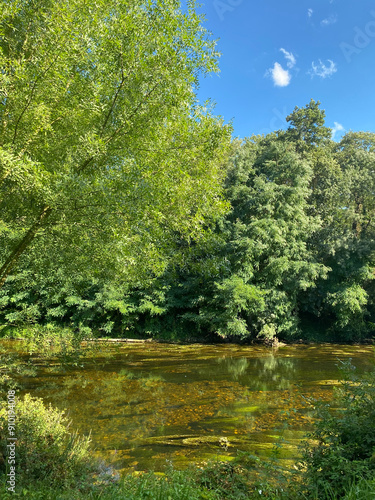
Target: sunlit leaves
{"type": "Point", "coordinates": [100, 99]}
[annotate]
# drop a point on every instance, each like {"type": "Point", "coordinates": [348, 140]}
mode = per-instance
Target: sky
{"type": "Point", "coordinates": [279, 54]}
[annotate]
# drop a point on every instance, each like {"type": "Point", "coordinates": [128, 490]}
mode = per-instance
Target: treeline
{"type": "Point", "coordinates": [291, 257]}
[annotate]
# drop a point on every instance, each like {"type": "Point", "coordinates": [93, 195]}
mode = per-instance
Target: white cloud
{"type": "Point", "coordinates": [310, 12]}
{"type": "Point", "coordinates": [280, 76]}
{"type": "Point", "coordinates": [291, 60]}
{"type": "Point", "coordinates": [329, 20]}
{"type": "Point", "coordinates": [322, 70]}
{"type": "Point", "coordinates": [337, 128]}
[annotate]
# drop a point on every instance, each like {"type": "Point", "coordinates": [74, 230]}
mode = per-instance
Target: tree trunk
{"type": "Point", "coordinates": [26, 241]}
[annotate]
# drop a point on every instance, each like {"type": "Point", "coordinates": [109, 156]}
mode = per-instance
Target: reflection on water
{"type": "Point", "coordinates": [270, 370]}
{"type": "Point", "coordinates": [145, 404]}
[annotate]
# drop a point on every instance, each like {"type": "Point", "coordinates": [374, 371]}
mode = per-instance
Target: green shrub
{"type": "Point", "coordinates": [226, 479]}
{"type": "Point", "coordinates": [342, 450]}
{"type": "Point", "coordinates": [51, 340]}
{"type": "Point", "coordinates": [45, 447]}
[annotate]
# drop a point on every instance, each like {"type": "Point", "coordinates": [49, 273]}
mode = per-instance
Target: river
{"type": "Point", "coordinates": [146, 405]}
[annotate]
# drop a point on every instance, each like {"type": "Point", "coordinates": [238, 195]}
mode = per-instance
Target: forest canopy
{"type": "Point", "coordinates": [126, 208]}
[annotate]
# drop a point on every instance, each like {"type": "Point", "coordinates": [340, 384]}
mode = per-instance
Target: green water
{"type": "Point", "coordinates": [147, 404]}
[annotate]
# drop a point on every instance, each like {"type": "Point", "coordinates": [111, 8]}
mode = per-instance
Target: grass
{"type": "Point", "coordinates": [179, 485]}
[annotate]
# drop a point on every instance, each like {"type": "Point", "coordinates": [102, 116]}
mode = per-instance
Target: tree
{"type": "Point", "coordinates": [342, 194]}
{"type": "Point", "coordinates": [271, 225]}
{"type": "Point", "coordinates": [247, 285]}
{"type": "Point", "coordinates": [307, 128]}
{"type": "Point", "coordinates": [104, 152]}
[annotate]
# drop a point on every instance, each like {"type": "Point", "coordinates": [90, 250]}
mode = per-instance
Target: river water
{"type": "Point", "coordinates": [149, 404]}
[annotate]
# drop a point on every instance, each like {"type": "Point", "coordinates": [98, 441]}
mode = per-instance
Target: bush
{"type": "Point", "coordinates": [45, 448]}
{"type": "Point", "coordinates": [342, 452]}
{"type": "Point", "coordinates": [226, 479]}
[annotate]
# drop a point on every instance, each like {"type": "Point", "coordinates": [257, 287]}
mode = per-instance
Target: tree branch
{"type": "Point", "coordinates": [12, 260]}
{"type": "Point", "coordinates": [26, 107]}
{"type": "Point", "coordinates": [119, 129]}
{"type": "Point", "coordinates": [115, 98]}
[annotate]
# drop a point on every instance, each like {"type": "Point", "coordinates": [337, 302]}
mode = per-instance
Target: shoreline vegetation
{"type": "Point", "coordinates": [268, 343]}
{"type": "Point", "coordinates": [274, 343]}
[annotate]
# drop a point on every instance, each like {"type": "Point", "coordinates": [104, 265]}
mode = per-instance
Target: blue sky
{"type": "Point", "coordinates": [278, 54]}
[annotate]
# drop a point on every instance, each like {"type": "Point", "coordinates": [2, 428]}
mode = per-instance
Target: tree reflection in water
{"type": "Point", "coordinates": [146, 405]}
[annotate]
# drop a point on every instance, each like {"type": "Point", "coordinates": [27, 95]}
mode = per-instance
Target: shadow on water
{"type": "Point", "coordinates": [146, 404]}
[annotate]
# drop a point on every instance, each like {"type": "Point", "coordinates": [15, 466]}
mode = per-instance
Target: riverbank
{"type": "Point", "coordinates": [18, 333]}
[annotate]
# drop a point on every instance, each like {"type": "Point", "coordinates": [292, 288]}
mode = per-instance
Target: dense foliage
{"type": "Point", "coordinates": [292, 258]}
{"type": "Point", "coordinates": [343, 446]}
{"type": "Point", "coordinates": [104, 151]}
{"type": "Point", "coordinates": [126, 210]}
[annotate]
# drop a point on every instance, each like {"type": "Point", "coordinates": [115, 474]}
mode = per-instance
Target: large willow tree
{"type": "Point", "coordinates": [104, 153]}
